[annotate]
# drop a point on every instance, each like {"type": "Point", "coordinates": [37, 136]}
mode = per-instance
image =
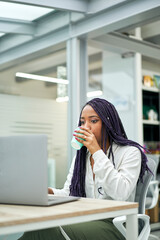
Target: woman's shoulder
{"type": "Point", "coordinates": [126, 149]}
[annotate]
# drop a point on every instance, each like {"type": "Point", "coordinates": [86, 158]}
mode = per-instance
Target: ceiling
{"type": "Point", "coordinates": [30, 29]}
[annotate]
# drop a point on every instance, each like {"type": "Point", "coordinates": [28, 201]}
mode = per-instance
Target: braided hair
{"type": "Point", "coordinates": [113, 130]}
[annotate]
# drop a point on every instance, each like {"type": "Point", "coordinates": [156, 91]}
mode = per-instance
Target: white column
{"type": "Point", "coordinates": [77, 72]}
{"type": "Point", "coordinates": [138, 91]}
{"type": "Point", "coordinates": [83, 72]}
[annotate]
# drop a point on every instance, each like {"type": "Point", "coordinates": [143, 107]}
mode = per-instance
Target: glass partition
{"type": "Point", "coordinates": [29, 106]}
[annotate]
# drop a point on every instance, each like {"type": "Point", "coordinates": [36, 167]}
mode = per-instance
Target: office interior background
{"type": "Point", "coordinates": [56, 55]}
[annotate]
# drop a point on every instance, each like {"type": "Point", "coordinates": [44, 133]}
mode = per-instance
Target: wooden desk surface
{"type": "Point", "coordinates": [17, 214]}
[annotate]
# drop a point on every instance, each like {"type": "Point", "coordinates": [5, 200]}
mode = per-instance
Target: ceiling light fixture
{"type": "Point", "coordinates": [41, 78]}
{"type": "Point", "coordinates": [94, 93]}
{"type": "Point", "coordinates": [62, 99]}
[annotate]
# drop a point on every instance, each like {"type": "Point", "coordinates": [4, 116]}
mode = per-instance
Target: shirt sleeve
{"type": "Point", "coordinates": [118, 182]}
{"type": "Point", "coordinates": [66, 189]}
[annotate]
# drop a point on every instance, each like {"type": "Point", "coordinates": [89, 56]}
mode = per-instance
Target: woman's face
{"type": "Point", "coordinates": [91, 120]}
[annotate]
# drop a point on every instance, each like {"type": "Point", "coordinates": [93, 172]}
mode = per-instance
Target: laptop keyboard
{"type": "Point", "coordinates": [52, 197]}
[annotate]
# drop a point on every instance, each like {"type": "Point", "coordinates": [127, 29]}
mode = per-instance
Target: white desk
{"type": "Point", "coordinates": [16, 218]}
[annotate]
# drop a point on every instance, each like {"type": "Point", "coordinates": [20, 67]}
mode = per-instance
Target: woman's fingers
{"type": "Point", "coordinates": [85, 136]}
{"type": "Point", "coordinates": [80, 137]}
{"type": "Point", "coordinates": [84, 131]}
{"type": "Point", "coordinates": [81, 134]}
{"type": "Point", "coordinates": [50, 191]}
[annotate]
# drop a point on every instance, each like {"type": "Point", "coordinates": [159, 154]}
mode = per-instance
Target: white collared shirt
{"type": "Point", "coordinates": [118, 183]}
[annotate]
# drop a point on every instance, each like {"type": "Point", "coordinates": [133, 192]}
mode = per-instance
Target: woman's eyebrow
{"type": "Point", "coordinates": [91, 116]}
{"type": "Point", "coordinates": [94, 116]}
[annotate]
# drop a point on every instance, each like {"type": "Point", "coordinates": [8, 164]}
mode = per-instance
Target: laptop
{"type": "Point", "coordinates": [23, 172]}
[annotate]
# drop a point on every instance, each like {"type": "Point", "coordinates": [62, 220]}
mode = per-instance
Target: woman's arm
{"type": "Point", "coordinates": [118, 182]}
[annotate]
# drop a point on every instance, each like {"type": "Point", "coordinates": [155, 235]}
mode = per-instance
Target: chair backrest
{"type": "Point", "coordinates": [142, 187]}
{"type": "Point", "coordinates": [156, 159]}
{"type": "Point", "coordinates": [153, 190]}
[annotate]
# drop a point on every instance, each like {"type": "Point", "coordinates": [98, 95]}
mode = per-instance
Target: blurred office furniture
{"type": "Point", "coordinates": [143, 219]}
{"type": "Point", "coordinates": [153, 192]}
{"type": "Point", "coordinates": [152, 198]}
{"type": "Point", "coordinates": [51, 172]}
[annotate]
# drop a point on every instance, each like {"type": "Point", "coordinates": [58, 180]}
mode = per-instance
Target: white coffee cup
{"type": "Point", "coordinates": [74, 143]}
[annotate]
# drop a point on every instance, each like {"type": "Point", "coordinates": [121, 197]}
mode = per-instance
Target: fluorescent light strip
{"type": "Point", "coordinates": [89, 94]}
{"type": "Point", "coordinates": [41, 78]}
{"type": "Point", "coordinates": [62, 99]}
{"type": "Point", "coordinates": [1, 34]}
{"type": "Point", "coordinates": [94, 93]}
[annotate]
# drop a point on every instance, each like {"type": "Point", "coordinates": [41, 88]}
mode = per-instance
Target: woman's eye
{"type": "Point", "coordinates": [82, 122]}
{"type": "Point", "coordinates": [94, 121]}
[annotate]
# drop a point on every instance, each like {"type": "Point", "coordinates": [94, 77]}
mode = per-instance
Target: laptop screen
{"type": "Point", "coordinates": [23, 169]}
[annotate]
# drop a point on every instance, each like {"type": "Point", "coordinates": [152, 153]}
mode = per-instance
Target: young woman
{"type": "Point", "coordinates": [108, 166]}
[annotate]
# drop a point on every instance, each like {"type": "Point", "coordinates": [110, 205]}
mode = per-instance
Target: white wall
{"type": "Point", "coordinates": [30, 88]}
{"type": "Point", "coordinates": [151, 66]}
{"type": "Point", "coordinates": [25, 115]}
{"type": "Point", "coordinates": [118, 87]}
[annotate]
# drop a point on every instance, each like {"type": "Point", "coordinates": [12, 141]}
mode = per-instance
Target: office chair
{"type": "Point", "coordinates": [152, 194]}
{"type": "Point", "coordinates": [153, 191]}
{"type": "Point", "coordinates": [152, 199]}
{"type": "Point", "coordinates": [140, 197]}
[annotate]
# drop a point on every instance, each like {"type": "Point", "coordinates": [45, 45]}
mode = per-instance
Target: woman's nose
{"type": "Point", "coordinates": [87, 125]}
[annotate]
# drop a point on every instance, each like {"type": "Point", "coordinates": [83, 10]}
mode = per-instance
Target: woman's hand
{"type": "Point", "coordinates": [89, 141]}
{"type": "Point", "coordinates": [50, 191]}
